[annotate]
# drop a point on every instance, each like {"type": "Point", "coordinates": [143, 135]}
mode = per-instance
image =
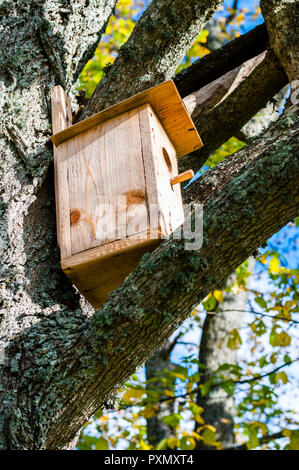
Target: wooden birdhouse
{"type": "Point", "coordinates": [115, 184]}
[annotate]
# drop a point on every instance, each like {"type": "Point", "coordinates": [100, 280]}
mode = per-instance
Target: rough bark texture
{"type": "Point", "coordinates": [282, 19]}
{"type": "Point", "coordinates": [61, 362]}
{"type": "Point", "coordinates": [200, 103]}
{"type": "Point", "coordinates": [43, 43]}
{"type": "Point", "coordinates": [155, 367]}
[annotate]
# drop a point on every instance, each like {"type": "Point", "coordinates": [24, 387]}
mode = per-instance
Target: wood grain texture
{"type": "Point", "coordinates": [168, 106]}
{"type": "Point", "coordinates": [106, 183]}
{"type": "Point", "coordinates": [61, 119]}
{"type": "Point", "coordinates": [160, 165]}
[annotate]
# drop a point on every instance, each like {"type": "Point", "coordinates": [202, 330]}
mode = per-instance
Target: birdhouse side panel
{"type": "Point", "coordinates": [160, 162]}
{"type": "Point", "coordinates": [107, 198]}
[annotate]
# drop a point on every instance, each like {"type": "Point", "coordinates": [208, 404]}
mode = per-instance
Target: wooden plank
{"type": "Point", "coordinates": [168, 106]}
{"type": "Point", "coordinates": [147, 145]}
{"type": "Point", "coordinates": [106, 183]}
{"type": "Point", "coordinates": [160, 163]}
{"type": "Point", "coordinates": [98, 271]}
{"type": "Point", "coordinates": [61, 119]}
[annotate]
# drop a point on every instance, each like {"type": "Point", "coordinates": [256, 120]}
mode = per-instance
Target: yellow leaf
{"type": "Point", "coordinates": [281, 376]}
{"type": "Point", "coordinates": [198, 418]}
{"type": "Point", "coordinates": [284, 339]}
{"type": "Point", "coordinates": [133, 393]}
{"type": "Point", "coordinates": [148, 412]}
{"type": "Point", "coordinates": [196, 435]}
{"type": "Point", "coordinates": [169, 393]}
{"type": "Point", "coordinates": [103, 419]}
{"type": "Point", "coordinates": [143, 445]}
{"type": "Point", "coordinates": [263, 259]}
{"type": "Point", "coordinates": [172, 442]}
{"type": "Point", "coordinates": [219, 295]}
{"type": "Point", "coordinates": [274, 264]}
{"type": "Point", "coordinates": [180, 376]}
{"type": "Point", "coordinates": [225, 420]}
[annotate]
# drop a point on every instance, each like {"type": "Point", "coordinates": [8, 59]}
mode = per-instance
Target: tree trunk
{"type": "Point", "coordinates": [219, 406]}
{"type": "Point", "coordinates": [155, 366]}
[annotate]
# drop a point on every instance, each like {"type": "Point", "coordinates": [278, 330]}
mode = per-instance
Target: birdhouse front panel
{"type": "Point", "coordinates": [116, 188]}
{"type": "Point", "coordinates": [105, 177]}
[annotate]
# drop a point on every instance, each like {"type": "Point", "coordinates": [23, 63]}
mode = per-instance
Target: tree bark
{"type": "Point", "coordinates": [156, 428]}
{"type": "Point", "coordinates": [282, 19]}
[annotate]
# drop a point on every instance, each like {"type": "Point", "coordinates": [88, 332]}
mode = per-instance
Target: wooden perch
{"type": "Point", "coordinates": [187, 175]}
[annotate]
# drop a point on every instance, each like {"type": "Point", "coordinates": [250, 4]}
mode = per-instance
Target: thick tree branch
{"type": "Point", "coordinates": [158, 43]}
{"type": "Point", "coordinates": [241, 105]}
{"type": "Point", "coordinates": [205, 99]}
{"type": "Point", "coordinates": [221, 61]}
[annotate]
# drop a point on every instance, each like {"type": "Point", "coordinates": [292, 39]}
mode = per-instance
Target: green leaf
{"type": "Point", "coordinates": [234, 340]}
{"type": "Point", "coordinates": [210, 304]}
{"type": "Point", "coordinates": [229, 387]}
{"type": "Point", "coordinates": [102, 444]}
{"type": "Point", "coordinates": [294, 441]}
{"type": "Point", "coordinates": [205, 388]}
{"type": "Point", "coordinates": [162, 444]}
{"type": "Point", "coordinates": [172, 420]}
{"type": "Point", "coordinates": [261, 302]}
{"type": "Point", "coordinates": [258, 327]}
{"type": "Point", "coordinates": [287, 359]}
{"type": "Point", "coordinates": [187, 443]}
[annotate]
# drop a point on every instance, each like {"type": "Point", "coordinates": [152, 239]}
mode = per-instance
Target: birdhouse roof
{"type": "Point", "coordinates": [168, 106]}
